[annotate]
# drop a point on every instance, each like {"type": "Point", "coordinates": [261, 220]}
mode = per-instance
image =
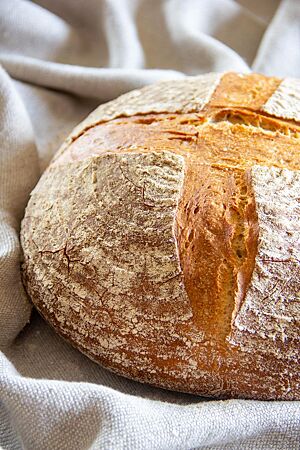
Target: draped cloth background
{"type": "Point", "coordinates": [60, 59]}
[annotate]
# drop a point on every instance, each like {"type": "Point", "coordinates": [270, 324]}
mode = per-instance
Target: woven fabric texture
{"type": "Point", "coordinates": [60, 59]}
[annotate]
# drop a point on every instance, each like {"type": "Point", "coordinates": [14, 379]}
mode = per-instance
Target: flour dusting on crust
{"type": "Point", "coordinates": [102, 239]}
{"type": "Point", "coordinates": [285, 102]}
{"type": "Point", "coordinates": [187, 95]}
{"type": "Point", "coordinates": [101, 259]}
{"type": "Point", "coordinates": [271, 309]}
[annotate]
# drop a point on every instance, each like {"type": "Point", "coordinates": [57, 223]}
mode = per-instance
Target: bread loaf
{"type": "Point", "coordinates": [163, 240]}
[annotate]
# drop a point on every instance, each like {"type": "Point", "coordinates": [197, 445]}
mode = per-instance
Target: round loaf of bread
{"type": "Point", "coordinates": [163, 240]}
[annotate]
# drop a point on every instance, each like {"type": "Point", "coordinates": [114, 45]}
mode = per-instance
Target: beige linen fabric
{"type": "Point", "coordinates": [60, 59]}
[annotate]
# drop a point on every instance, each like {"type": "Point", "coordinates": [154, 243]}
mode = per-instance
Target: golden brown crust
{"type": "Point", "coordinates": [188, 95]}
{"type": "Point", "coordinates": [244, 91]}
{"type": "Point", "coordinates": [178, 323]}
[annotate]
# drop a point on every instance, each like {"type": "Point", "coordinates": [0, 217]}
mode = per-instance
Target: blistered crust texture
{"type": "Point", "coordinates": [271, 310]}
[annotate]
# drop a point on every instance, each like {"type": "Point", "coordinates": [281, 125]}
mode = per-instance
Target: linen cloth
{"type": "Point", "coordinates": [60, 59]}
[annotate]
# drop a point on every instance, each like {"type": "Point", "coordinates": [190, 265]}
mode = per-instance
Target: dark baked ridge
{"type": "Point", "coordinates": [219, 145]}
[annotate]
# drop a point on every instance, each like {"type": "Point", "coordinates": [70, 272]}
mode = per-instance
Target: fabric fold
{"type": "Point", "coordinates": [82, 415]}
{"type": "Point", "coordinates": [60, 60]}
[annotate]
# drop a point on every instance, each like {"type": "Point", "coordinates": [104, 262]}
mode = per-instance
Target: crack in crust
{"type": "Point", "coordinates": [128, 248]}
{"type": "Point", "coordinates": [259, 121]}
{"type": "Point", "coordinates": [140, 240]}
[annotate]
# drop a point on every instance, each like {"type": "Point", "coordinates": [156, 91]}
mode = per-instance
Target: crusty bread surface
{"type": "Point", "coordinates": [163, 240]}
